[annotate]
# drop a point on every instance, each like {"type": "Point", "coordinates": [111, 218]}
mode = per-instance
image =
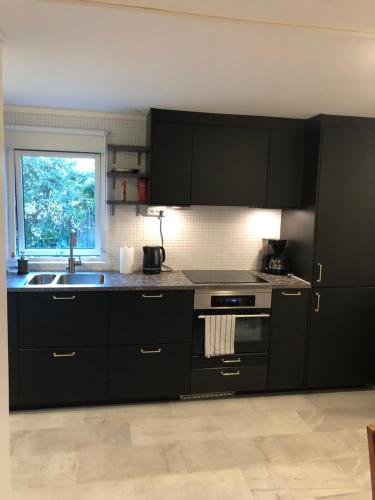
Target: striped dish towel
{"type": "Point", "coordinates": [219, 335]}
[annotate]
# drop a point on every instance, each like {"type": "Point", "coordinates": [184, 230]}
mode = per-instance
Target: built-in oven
{"type": "Point", "coordinates": [252, 314]}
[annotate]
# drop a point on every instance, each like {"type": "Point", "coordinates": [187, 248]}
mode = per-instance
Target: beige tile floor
{"type": "Point", "coordinates": [287, 447]}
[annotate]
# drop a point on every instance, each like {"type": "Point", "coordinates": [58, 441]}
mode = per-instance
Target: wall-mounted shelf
{"type": "Point", "coordinates": [113, 204]}
{"type": "Point", "coordinates": [114, 174]}
{"type": "Point", "coordinates": [124, 148]}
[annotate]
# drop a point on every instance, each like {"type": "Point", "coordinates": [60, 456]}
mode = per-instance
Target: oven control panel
{"type": "Point", "coordinates": [232, 300]}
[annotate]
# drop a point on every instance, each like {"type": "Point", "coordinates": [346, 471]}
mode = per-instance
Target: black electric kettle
{"type": "Point", "coordinates": [153, 258]}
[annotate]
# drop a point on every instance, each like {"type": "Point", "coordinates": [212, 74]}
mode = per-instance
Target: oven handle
{"type": "Point", "coordinates": [239, 316]}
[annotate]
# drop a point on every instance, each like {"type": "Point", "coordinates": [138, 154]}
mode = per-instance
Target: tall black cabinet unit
{"type": "Point", "coordinates": [332, 242]}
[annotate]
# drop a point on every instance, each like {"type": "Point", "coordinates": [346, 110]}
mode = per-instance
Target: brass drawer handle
{"type": "Point", "coordinates": [159, 296]}
{"type": "Point", "coordinates": [238, 360]}
{"type": "Point", "coordinates": [317, 308]}
{"type": "Point", "coordinates": [287, 294]}
{"type": "Point", "coordinates": [230, 374]}
{"type": "Point", "coordinates": [72, 297]}
{"type": "Point", "coordinates": [146, 351]}
{"type": "Point", "coordinates": [319, 279]}
{"type": "Point", "coordinates": [67, 355]}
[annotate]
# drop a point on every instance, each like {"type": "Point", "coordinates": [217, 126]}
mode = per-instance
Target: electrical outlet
{"type": "Point", "coordinates": [155, 211]}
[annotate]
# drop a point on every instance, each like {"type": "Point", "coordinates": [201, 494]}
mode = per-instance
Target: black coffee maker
{"type": "Point", "coordinates": [274, 257]}
{"type": "Point", "coordinates": [153, 258]}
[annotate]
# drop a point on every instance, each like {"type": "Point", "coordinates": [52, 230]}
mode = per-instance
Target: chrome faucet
{"type": "Point", "coordinates": [72, 262]}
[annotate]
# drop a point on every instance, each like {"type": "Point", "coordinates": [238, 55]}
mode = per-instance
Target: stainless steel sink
{"type": "Point", "coordinates": [42, 279]}
{"type": "Point", "coordinates": [81, 279]}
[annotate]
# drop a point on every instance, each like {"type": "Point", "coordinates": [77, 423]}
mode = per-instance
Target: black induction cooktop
{"type": "Point", "coordinates": [213, 277]}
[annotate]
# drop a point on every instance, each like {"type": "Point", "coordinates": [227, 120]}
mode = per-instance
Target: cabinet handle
{"type": "Point", "coordinates": [67, 355]}
{"type": "Point", "coordinates": [230, 374]}
{"type": "Point", "coordinates": [160, 296]}
{"type": "Point", "coordinates": [319, 279]}
{"type": "Point", "coordinates": [287, 294]}
{"type": "Point", "coordinates": [146, 351]}
{"type": "Point", "coordinates": [317, 308]}
{"type": "Point", "coordinates": [72, 297]}
{"type": "Point", "coordinates": [238, 360]}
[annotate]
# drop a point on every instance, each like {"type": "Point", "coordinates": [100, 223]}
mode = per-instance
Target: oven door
{"type": "Point", "coordinates": [252, 329]}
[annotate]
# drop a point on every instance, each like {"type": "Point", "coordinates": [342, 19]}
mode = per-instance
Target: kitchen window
{"type": "Point", "coordinates": [57, 192]}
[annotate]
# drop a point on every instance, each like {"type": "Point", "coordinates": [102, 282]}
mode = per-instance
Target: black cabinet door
{"type": "Point", "coordinates": [149, 371]}
{"type": "Point", "coordinates": [341, 344]}
{"type": "Point", "coordinates": [288, 339]}
{"type": "Point", "coordinates": [57, 376]}
{"type": "Point", "coordinates": [151, 316]}
{"type": "Point", "coordinates": [229, 166]}
{"type": "Point", "coordinates": [62, 319]}
{"type": "Point", "coordinates": [12, 346]}
{"type": "Point", "coordinates": [285, 168]}
{"type": "Point", "coordinates": [170, 173]}
{"type": "Point", "coordinates": [345, 236]}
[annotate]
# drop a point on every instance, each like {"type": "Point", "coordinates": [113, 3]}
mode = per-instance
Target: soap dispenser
{"type": "Point", "coordinates": [22, 264]}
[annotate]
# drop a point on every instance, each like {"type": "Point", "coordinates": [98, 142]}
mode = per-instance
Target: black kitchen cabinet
{"type": "Point", "coordinates": [285, 167]}
{"type": "Point", "coordinates": [170, 163]}
{"type": "Point", "coordinates": [58, 376]}
{"type": "Point", "coordinates": [149, 371]}
{"type": "Point", "coordinates": [239, 379]}
{"type": "Point", "coordinates": [342, 341]}
{"type": "Point", "coordinates": [216, 159]}
{"type": "Point", "coordinates": [288, 339]}
{"type": "Point", "coordinates": [345, 235]}
{"type": "Point", "coordinates": [62, 319]}
{"type": "Point", "coordinates": [153, 316]}
{"type": "Point", "coordinates": [229, 166]}
{"type": "Point", "coordinates": [12, 299]}
{"type": "Point", "coordinates": [331, 238]}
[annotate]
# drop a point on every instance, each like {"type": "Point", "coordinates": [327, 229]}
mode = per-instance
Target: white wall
{"type": "Point", "coordinates": [196, 237]}
{"type": "Point", "coordinates": [4, 405]}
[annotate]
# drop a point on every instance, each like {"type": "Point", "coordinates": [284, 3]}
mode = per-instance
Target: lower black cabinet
{"type": "Point", "coordinates": [342, 337]}
{"type": "Point", "coordinates": [149, 371]}
{"type": "Point", "coordinates": [242, 378]}
{"type": "Point", "coordinates": [288, 339]}
{"type": "Point", "coordinates": [57, 376]}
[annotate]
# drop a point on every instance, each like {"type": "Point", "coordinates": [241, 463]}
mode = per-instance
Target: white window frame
{"type": "Point", "coordinates": [62, 140]}
{"type": "Point", "coordinates": [18, 154]}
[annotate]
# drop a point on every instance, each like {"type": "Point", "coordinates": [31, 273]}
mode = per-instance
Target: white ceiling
{"type": "Point", "coordinates": [239, 56]}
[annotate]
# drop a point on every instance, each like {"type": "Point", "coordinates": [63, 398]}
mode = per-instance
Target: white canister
{"type": "Point", "coordinates": [126, 259]}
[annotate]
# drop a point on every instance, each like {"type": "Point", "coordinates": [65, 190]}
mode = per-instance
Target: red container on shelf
{"type": "Point", "coordinates": [142, 189]}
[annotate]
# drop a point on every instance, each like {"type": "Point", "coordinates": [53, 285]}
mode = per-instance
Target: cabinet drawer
{"type": "Point", "coordinates": [244, 378]}
{"type": "Point", "coordinates": [153, 316]}
{"type": "Point", "coordinates": [62, 319]}
{"type": "Point", "coordinates": [149, 371]}
{"type": "Point", "coordinates": [230, 361]}
{"type": "Point", "coordinates": [54, 376]}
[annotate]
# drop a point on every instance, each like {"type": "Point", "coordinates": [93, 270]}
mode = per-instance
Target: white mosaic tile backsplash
{"type": "Point", "coordinates": [195, 238]}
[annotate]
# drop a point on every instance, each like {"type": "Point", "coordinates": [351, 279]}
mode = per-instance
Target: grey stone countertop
{"type": "Point", "coordinates": [174, 280]}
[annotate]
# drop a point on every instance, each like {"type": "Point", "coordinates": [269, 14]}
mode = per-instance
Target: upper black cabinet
{"type": "Point", "coordinates": [171, 153]}
{"type": "Point", "coordinates": [332, 239]}
{"type": "Point", "coordinates": [285, 168]}
{"type": "Point", "coordinates": [229, 166]}
{"type": "Point", "coordinates": [235, 160]}
{"type": "Point", "coordinates": [346, 208]}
